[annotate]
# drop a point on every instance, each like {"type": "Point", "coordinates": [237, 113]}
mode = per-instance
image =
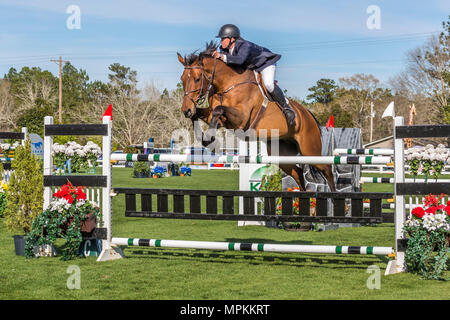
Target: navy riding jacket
{"type": "Point", "coordinates": [251, 56]}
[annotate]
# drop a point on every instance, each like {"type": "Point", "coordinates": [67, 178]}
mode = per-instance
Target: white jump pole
{"type": "Point", "coordinates": [398, 265]}
{"type": "Point", "coordinates": [262, 247]}
{"type": "Point", "coordinates": [25, 135]}
{"type": "Point", "coordinates": [259, 159]}
{"type": "Point", "coordinates": [48, 162]}
{"type": "Point", "coordinates": [108, 252]}
{"type": "Point", "coordinates": [374, 152]}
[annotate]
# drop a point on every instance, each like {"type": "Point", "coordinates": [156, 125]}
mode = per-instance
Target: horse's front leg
{"type": "Point", "coordinates": [217, 121]}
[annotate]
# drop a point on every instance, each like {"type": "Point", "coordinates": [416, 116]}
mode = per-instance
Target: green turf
{"type": "Point", "coordinates": [156, 273]}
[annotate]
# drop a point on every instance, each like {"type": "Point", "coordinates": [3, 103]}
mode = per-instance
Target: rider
{"type": "Point", "coordinates": [235, 50]}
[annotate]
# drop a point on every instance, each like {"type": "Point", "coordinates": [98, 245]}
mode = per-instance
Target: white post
{"type": "Point", "coordinates": [108, 252]}
{"type": "Point", "coordinates": [398, 265]}
{"type": "Point", "coordinates": [25, 135]}
{"type": "Point", "coordinates": [249, 148]}
{"type": "Point", "coordinates": [48, 162]}
{"type": "Point", "coordinates": [106, 171]}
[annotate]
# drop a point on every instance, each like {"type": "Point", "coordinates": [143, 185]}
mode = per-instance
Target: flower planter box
{"type": "Point", "coordinates": [86, 226]}
{"type": "Point", "coordinates": [89, 224]}
{"type": "Point", "coordinates": [141, 175]}
{"type": "Point", "coordinates": [39, 251]}
{"type": "Point", "coordinates": [302, 226]}
{"type": "Point", "coordinates": [19, 245]}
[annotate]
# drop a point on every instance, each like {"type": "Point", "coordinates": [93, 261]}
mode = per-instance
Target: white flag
{"type": "Point", "coordinates": [389, 112]}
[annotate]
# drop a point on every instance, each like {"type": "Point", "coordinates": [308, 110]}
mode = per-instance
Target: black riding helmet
{"type": "Point", "coordinates": [229, 31]}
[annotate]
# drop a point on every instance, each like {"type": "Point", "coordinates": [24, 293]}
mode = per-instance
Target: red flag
{"type": "Point", "coordinates": [330, 122]}
{"type": "Point", "coordinates": [108, 112]}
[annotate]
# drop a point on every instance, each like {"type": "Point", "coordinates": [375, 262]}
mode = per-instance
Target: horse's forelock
{"type": "Point", "coordinates": [194, 57]}
{"type": "Point", "coordinates": [209, 50]}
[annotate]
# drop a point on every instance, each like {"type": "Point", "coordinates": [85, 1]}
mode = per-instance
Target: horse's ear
{"type": "Point", "coordinates": [181, 59]}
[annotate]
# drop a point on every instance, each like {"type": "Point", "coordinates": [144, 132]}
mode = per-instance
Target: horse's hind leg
{"type": "Point", "coordinates": [296, 173]}
{"type": "Point", "coordinates": [328, 173]}
{"type": "Point", "coordinates": [289, 148]}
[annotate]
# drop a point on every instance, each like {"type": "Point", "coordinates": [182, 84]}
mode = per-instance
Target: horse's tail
{"type": "Point", "coordinates": [317, 122]}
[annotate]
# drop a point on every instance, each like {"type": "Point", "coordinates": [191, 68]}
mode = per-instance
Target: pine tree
{"type": "Point", "coordinates": [25, 190]}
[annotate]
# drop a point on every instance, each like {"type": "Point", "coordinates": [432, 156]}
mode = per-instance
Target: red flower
{"type": "Point", "coordinates": [432, 210]}
{"type": "Point", "coordinates": [447, 209]}
{"type": "Point", "coordinates": [68, 198]}
{"type": "Point", "coordinates": [418, 212]}
{"type": "Point", "coordinates": [431, 200]}
{"type": "Point", "coordinates": [70, 193]}
{"type": "Point", "coordinates": [80, 193]}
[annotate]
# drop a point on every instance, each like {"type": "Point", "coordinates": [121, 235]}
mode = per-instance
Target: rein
{"type": "Point", "coordinates": [202, 95]}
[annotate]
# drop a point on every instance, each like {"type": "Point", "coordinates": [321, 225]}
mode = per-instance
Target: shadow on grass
{"type": "Point", "coordinates": [255, 258]}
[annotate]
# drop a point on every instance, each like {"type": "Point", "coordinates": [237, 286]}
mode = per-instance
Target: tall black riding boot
{"type": "Point", "coordinates": [278, 96]}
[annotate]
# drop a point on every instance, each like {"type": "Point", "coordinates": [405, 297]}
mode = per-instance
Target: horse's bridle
{"type": "Point", "coordinates": [202, 95]}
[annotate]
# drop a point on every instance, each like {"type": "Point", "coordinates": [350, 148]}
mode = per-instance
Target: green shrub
{"type": "Point", "coordinates": [25, 190]}
{"type": "Point", "coordinates": [3, 196]}
{"type": "Point", "coordinates": [140, 168]}
{"type": "Point", "coordinates": [272, 182]}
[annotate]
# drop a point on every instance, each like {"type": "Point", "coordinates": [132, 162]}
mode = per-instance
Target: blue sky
{"type": "Point", "coordinates": [317, 39]}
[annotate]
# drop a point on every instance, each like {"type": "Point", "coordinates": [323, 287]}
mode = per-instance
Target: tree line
{"type": "Point", "coordinates": [424, 83]}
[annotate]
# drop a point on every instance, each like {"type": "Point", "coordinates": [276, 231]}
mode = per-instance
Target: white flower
{"type": "Point", "coordinates": [59, 205]}
{"type": "Point", "coordinates": [437, 221]}
{"type": "Point", "coordinates": [80, 203]}
{"type": "Point", "coordinates": [57, 148]}
{"type": "Point", "coordinates": [80, 152]}
{"type": "Point", "coordinates": [412, 223]}
{"type": "Point", "coordinates": [70, 152]}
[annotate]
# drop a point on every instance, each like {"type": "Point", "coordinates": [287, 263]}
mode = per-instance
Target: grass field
{"type": "Point", "coordinates": [173, 274]}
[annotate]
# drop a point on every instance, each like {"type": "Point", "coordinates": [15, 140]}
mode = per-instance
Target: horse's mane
{"type": "Point", "coordinates": [193, 57]}
{"type": "Point", "coordinates": [207, 53]}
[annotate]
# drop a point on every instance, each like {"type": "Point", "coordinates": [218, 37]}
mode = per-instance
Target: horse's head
{"type": "Point", "coordinates": [197, 80]}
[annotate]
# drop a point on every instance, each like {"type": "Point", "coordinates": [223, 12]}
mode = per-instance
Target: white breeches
{"type": "Point", "coordinates": [268, 75]}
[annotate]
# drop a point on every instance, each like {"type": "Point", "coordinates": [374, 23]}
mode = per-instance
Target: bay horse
{"type": "Point", "coordinates": [234, 103]}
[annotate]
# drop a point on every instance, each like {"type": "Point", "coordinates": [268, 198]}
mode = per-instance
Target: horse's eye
{"type": "Point", "coordinates": [197, 80]}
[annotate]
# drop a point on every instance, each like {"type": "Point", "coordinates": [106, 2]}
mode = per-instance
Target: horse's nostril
{"type": "Point", "coordinates": [187, 113]}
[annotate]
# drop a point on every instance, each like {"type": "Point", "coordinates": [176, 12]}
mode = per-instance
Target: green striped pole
{"type": "Point", "coordinates": [240, 246]}
{"type": "Point", "coordinates": [391, 180]}
{"type": "Point", "coordinates": [252, 159]}
{"type": "Point", "coordinates": [375, 152]}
